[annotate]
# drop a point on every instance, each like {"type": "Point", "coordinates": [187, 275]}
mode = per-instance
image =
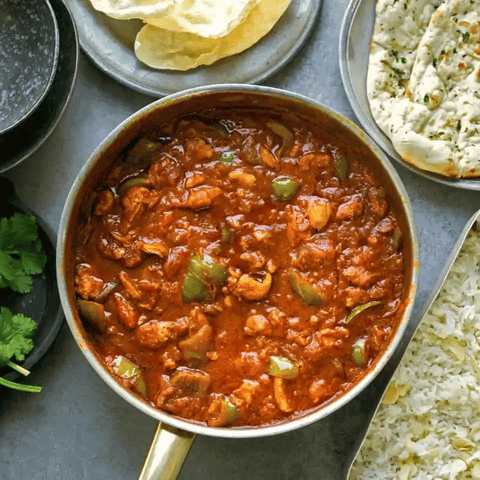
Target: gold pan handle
{"type": "Point", "coordinates": [167, 453]}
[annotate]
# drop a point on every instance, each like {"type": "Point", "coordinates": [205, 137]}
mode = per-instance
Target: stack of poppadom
{"type": "Point", "coordinates": [184, 35]}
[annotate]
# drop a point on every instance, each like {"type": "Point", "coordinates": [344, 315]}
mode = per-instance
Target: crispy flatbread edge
{"type": "Point", "coordinates": [422, 153]}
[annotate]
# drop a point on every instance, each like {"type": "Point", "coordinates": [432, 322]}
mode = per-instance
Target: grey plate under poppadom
{"type": "Point", "coordinates": [29, 49]}
{"type": "Point", "coordinates": [354, 50]}
{"type": "Point", "coordinates": [109, 44]}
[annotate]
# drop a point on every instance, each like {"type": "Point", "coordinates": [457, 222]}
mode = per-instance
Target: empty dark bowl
{"type": "Point", "coordinates": [29, 50]}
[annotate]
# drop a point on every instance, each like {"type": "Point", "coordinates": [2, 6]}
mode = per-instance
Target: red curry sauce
{"type": "Point", "coordinates": [239, 269]}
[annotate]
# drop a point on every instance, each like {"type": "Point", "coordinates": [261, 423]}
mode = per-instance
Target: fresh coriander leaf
{"type": "Point", "coordinates": [16, 332]}
{"type": "Point", "coordinates": [21, 254]}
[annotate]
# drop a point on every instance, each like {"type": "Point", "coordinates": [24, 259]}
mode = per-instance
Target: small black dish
{"type": "Point", "coordinates": [43, 302]}
{"type": "Point", "coordinates": [23, 140]}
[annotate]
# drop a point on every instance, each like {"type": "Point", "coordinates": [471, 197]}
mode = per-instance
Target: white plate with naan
{"type": "Point", "coordinates": [354, 55]}
{"type": "Point", "coordinates": [109, 43]}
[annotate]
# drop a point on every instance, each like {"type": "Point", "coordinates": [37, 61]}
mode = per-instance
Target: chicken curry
{"type": "Point", "coordinates": [238, 268]}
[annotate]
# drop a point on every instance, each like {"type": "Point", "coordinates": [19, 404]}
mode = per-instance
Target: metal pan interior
{"type": "Point", "coordinates": [225, 96]}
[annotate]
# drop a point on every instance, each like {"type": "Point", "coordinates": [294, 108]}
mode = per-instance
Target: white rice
{"type": "Point", "coordinates": [428, 424]}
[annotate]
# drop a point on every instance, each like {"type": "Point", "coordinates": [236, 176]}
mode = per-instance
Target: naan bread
{"type": "Point", "coordinates": [164, 49]}
{"type": "Point", "coordinates": [399, 27]}
{"type": "Point", "coordinates": [440, 128]}
{"type": "Point", "coordinates": [433, 116]}
{"type": "Point", "coordinates": [206, 18]}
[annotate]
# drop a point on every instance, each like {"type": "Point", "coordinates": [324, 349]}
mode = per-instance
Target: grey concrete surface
{"type": "Point", "coordinates": [77, 428]}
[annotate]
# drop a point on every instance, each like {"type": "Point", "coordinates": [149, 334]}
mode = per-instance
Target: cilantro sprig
{"type": "Point", "coordinates": [16, 332]}
{"type": "Point", "coordinates": [21, 257]}
{"type": "Point", "coordinates": [21, 254]}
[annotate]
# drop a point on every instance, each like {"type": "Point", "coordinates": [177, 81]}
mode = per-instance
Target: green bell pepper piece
{"type": "Point", "coordinates": [360, 352]}
{"type": "Point", "coordinates": [284, 188]}
{"type": "Point", "coordinates": [227, 235]}
{"type": "Point", "coordinates": [359, 309]}
{"type": "Point", "coordinates": [285, 133]}
{"type": "Point", "coordinates": [129, 371]}
{"type": "Point", "coordinates": [283, 368]}
{"type": "Point", "coordinates": [193, 289]}
{"type": "Point", "coordinates": [226, 157]}
{"type": "Point", "coordinates": [341, 167]}
{"type": "Point", "coordinates": [207, 270]}
{"type": "Point", "coordinates": [228, 413]}
{"type": "Point", "coordinates": [93, 313]}
{"type": "Point", "coordinates": [143, 150]}
{"type": "Point", "coordinates": [308, 293]}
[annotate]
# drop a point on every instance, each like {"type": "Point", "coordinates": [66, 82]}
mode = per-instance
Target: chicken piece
{"type": "Point", "coordinates": [201, 197]}
{"type": "Point", "coordinates": [321, 390]}
{"type": "Point", "coordinates": [164, 172]}
{"type": "Point", "coordinates": [385, 226]}
{"type": "Point", "coordinates": [257, 325]}
{"type": "Point", "coordinates": [155, 247]}
{"type": "Point", "coordinates": [378, 337]}
{"type": "Point", "coordinates": [355, 296]}
{"type": "Point", "coordinates": [200, 337]}
{"type": "Point", "coordinates": [184, 392]}
{"type": "Point", "coordinates": [88, 286]}
{"type": "Point", "coordinates": [199, 149]}
{"type": "Point", "coordinates": [244, 395]}
{"type": "Point", "coordinates": [104, 202]}
{"type": "Point", "coordinates": [275, 316]}
{"type": "Point", "coordinates": [126, 312]}
{"type": "Point", "coordinates": [246, 180]}
{"type": "Point", "coordinates": [129, 252]}
{"type": "Point", "coordinates": [263, 233]}
{"type": "Point", "coordinates": [350, 209]}
{"type": "Point", "coordinates": [249, 364]}
{"type": "Point", "coordinates": [154, 334]}
{"type": "Point", "coordinates": [268, 158]}
{"type": "Point", "coordinates": [194, 180]}
{"type": "Point", "coordinates": [298, 226]}
{"type": "Point", "coordinates": [177, 258]}
{"type": "Point", "coordinates": [129, 285]}
{"type": "Point", "coordinates": [249, 288]}
{"type": "Point", "coordinates": [255, 260]}
{"type": "Point", "coordinates": [280, 395]}
{"type": "Point", "coordinates": [325, 340]}
{"type": "Point", "coordinates": [318, 212]}
{"type": "Point", "coordinates": [359, 276]}
{"type": "Point", "coordinates": [135, 201]}
{"type": "Point", "coordinates": [328, 382]}
{"type": "Point", "coordinates": [132, 257]}
{"type": "Point", "coordinates": [315, 253]}
{"type": "Point", "coordinates": [377, 201]}
{"type": "Point", "coordinates": [315, 160]}
{"type": "Point", "coordinates": [191, 381]}
{"type": "Point", "coordinates": [110, 248]}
